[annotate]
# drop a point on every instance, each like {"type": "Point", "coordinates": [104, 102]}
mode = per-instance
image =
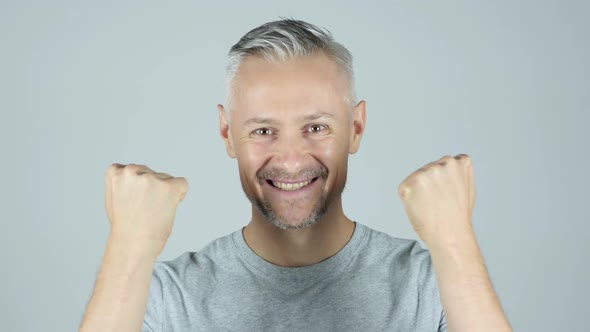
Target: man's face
{"type": "Point", "coordinates": [291, 132]}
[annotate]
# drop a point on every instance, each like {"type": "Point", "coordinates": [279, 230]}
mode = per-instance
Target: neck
{"type": "Point", "coordinates": [299, 247]}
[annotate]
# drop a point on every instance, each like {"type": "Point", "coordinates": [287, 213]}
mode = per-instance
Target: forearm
{"type": "Point", "coordinates": [120, 296]}
{"type": "Point", "coordinates": [469, 300]}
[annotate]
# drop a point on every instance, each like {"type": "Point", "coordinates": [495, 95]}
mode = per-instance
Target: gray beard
{"type": "Point", "coordinates": [319, 210]}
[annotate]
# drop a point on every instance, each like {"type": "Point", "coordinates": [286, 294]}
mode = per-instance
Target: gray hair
{"type": "Point", "coordinates": [286, 39]}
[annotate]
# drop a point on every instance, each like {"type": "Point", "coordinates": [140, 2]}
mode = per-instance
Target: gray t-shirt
{"type": "Point", "coordinates": [375, 283]}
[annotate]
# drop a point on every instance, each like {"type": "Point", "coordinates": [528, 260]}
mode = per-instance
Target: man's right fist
{"type": "Point", "coordinates": [141, 205]}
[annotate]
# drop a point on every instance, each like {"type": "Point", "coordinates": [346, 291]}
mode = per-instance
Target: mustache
{"type": "Point", "coordinates": [277, 173]}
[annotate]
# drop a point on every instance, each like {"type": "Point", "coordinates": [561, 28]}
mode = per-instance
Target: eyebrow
{"type": "Point", "coordinates": [260, 120]}
{"type": "Point", "coordinates": [269, 121]}
{"type": "Point", "coordinates": [318, 115]}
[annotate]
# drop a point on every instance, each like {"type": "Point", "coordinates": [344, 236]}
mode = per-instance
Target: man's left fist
{"type": "Point", "coordinates": [439, 199]}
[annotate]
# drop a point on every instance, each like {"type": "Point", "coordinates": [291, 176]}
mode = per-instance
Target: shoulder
{"type": "Point", "coordinates": [211, 256]}
{"type": "Point", "coordinates": [403, 250]}
{"type": "Point", "coordinates": [404, 256]}
{"type": "Point", "coordinates": [408, 264]}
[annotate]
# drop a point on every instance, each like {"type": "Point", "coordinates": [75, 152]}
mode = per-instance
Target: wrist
{"type": "Point", "coordinates": [459, 240]}
{"type": "Point", "coordinates": [134, 247]}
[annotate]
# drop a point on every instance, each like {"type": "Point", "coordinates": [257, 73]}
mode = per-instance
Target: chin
{"type": "Point", "coordinates": [285, 225]}
{"type": "Point", "coordinates": [293, 222]}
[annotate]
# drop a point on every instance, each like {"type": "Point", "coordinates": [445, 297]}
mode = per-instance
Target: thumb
{"type": "Point", "coordinates": [181, 184]}
{"type": "Point", "coordinates": [404, 192]}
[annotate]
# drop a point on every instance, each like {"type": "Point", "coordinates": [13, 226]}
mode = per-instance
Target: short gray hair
{"type": "Point", "coordinates": [286, 39]}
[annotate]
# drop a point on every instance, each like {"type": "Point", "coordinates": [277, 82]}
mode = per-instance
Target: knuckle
{"type": "Point", "coordinates": [401, 186]}
{"type": "Point", "coordinates": [113, 172]}
{"type": "Point", "coordinates": [144, 178]}
{"type": "Point", "coordinates": [467, 159]}
{"type": "Point", "coordinates": [114, 168]}
{"type": "Point", "coordinates": [166, 183]}
{"type": "Point", "coordinates": [404, 187]}
{"type": "Point", "coordinates": [462, 156]}
{"type": "Point", "coordinates": [414, 178]}
{"type": "Point", "coordinates": [420, 179]}
{"type": "Point", "coordinates": [464, 159]}
{"type": "Point", "coordinates": [169, 187]}
{"type": "Point", "coordinates": [449, 159]}
{"type": "Point", "coordinates": [131, 169]}
{"type": "Point", "coordinates": [181, 181]}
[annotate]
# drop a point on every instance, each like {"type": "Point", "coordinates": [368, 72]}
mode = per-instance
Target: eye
{"type": "Point", "coordinates": [315, 128]}
{"type": "Point", "coordinates": [262, 131]}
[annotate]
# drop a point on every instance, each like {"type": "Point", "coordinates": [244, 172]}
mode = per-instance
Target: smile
{"type": "Point", "coordinates": [290, 186]}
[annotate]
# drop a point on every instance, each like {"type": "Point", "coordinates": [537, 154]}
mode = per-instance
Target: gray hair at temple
{"type": "Point", "coordinates": [283, 40]}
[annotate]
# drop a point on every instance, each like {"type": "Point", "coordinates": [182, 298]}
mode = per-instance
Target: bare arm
{"type": "Point", "coordinates": [467, 294]}
{"type": "Point", "coordinates": [439, 199]}
{"type": "Point", "coordinates": [120, 296]}
{"type": "Point", "coordinates": [141, 206]}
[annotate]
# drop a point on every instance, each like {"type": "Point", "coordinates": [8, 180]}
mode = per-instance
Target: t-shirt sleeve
{"type": "Point", "coordinates": [429, 287]}
{"type": "Point", "coordinates": [152, 321]}
{"type": "Point", "coordinates": [442, 326]}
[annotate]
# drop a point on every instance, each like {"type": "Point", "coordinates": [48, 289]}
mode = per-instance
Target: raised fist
{"type": "Point", "coordinates": [439, 199]}
{"type": "Point", "coordinates": [141, 205]}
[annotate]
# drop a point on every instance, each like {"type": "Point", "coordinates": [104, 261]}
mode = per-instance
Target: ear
{"type": "Point", "coordinates": [359, 120]}
{"type": "Point", "coordinates": [225, 131]}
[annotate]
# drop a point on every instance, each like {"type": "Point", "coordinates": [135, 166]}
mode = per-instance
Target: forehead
{"type": "Point", "coordinates": [311, 83]}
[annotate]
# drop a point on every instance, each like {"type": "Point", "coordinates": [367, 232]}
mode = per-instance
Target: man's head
{"type": "Point", "coordinates": [290, 120]}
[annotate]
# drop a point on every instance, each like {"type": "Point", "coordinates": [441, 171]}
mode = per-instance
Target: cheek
{"type": "Point", "coordinates": [331, 150]}
{"type": "Point", "coordinates": [334, 155]}
{"type": "Point", "coordinates": [251, 156]}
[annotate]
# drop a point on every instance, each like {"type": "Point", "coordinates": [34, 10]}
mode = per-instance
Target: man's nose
{"type": "Point", "coordinates": [290, 153]}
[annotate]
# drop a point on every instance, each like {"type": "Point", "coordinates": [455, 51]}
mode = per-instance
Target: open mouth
{"type": "Point", "coordinates": [291, 186]}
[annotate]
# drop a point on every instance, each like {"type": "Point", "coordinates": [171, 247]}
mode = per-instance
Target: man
{"type": "Point", "coordinates": [291, 119]}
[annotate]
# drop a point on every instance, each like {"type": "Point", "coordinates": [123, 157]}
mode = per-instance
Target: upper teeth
{"type": "Point", "coordinates": [290, 186]}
